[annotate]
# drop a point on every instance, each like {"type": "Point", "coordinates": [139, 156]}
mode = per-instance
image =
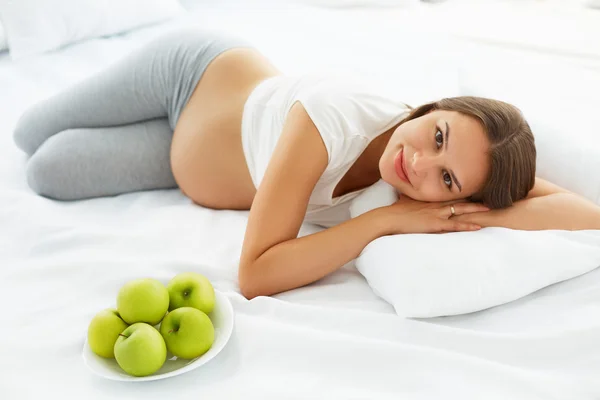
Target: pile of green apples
{"type": "Point", "coordinates": [151, 319]}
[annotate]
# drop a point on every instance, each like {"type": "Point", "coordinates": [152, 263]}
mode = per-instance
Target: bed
{"type": "Point", "coordinates": [61, 262]}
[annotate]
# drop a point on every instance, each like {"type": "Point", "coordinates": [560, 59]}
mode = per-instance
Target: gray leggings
{"type": "Point", "coordinates": [111, 133]}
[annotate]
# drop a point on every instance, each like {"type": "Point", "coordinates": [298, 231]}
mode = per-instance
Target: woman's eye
{"type": "Point", "coordinates": [447, 179]}
{"type": "Point", "coordinates": [439, 138]}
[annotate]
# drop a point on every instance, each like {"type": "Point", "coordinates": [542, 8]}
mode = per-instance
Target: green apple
{"type": "Point", "coordinates": [188, 332]}
{"type": "Point", "coordinates": [143, 300]}
{"type": "Point", "coordinates": [140, 350]}
{"type": "Point", "coordinates": [103, 332]}
{"type": "Point", "coordinates": [191, 289]}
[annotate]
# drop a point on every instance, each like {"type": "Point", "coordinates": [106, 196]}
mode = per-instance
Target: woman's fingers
{"type": "Point", "coordinates": [466, 208]}
{"type": "Point", "coordinates": [450, 225]}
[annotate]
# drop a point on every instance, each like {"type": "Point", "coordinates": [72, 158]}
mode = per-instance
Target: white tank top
{"type": "Point", "coordinates": [348, 116]}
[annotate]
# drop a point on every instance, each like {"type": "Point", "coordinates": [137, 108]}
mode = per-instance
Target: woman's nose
{"type": "Point", "coordinates": [422, 162]}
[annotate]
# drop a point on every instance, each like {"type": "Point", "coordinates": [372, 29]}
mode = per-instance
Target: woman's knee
{"type": "Point", "coordinates": [26, 132]}
{"type": "Point", "coordinates": [40, 175]}
{"type": "Point", "coordinates": [46, 175]}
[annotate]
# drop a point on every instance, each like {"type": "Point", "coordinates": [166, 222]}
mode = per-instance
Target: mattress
{"type": "Point", "coordinates": [61, 262]}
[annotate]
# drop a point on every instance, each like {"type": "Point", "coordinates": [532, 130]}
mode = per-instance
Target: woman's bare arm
{"type": "Point", "coordinates": [547, 206]}
{"type": "Point", "coordinates": [544, 188]}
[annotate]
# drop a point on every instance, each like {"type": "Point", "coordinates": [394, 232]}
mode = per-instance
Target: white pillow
{"type": "Point", "coordinates": [37, 26]}
{"type": "Point", "coordinates": [3, 44]}
{"type": "Point", "coordinates": [592, 3]}
{"type": "Point", "coordinates": [432, 275]}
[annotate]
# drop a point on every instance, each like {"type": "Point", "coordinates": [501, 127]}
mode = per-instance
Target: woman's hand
{"type": "Point", "coordinates": [412, 216]}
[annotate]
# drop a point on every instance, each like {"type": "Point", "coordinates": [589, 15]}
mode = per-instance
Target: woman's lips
{"type": "Point", "coordinates": [400, 166]}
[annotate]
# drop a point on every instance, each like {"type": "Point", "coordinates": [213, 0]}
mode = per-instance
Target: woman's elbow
{"type": "Point", "coordinates": [248, 290]}
{"type": "Point", "coordinates": [247, 282]}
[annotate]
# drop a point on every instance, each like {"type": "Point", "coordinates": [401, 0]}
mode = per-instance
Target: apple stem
{"type": "Point", "coordinates": [120, 334]}
{"type": "Point", "coordinates": [170, 331]}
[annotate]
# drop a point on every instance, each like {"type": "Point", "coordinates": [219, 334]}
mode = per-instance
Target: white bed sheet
{"type": "Point", "coordinates": [63, 262]}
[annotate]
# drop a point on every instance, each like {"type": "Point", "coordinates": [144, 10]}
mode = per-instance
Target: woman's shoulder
{"type": "Point", "coordinates": [347, 113]}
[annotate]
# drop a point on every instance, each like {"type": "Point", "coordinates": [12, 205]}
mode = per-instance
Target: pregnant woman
{"type": "Point", "coordinates": [207, 113]}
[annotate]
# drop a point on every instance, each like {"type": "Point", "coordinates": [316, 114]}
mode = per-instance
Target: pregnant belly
{"type": "Point", "coordinates": [209, 164]}
{"type": "Point", "coordinates": [206, 156]}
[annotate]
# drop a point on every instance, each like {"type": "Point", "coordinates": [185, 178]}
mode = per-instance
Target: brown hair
{"type": "Point", "coordinates": [512, 147]}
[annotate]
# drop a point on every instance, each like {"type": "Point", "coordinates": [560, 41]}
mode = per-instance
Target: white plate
{"type": "Point", "coordinates": [222, 319]}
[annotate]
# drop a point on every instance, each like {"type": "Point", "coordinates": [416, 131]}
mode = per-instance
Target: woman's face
{"type": "Point", "coordinates": [439, 156]}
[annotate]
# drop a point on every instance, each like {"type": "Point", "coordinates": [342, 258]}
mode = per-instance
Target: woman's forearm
{"type": "Point", "coordinates": [301, 261]}
{"type": "Point", "coordinates": [564, 211]}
